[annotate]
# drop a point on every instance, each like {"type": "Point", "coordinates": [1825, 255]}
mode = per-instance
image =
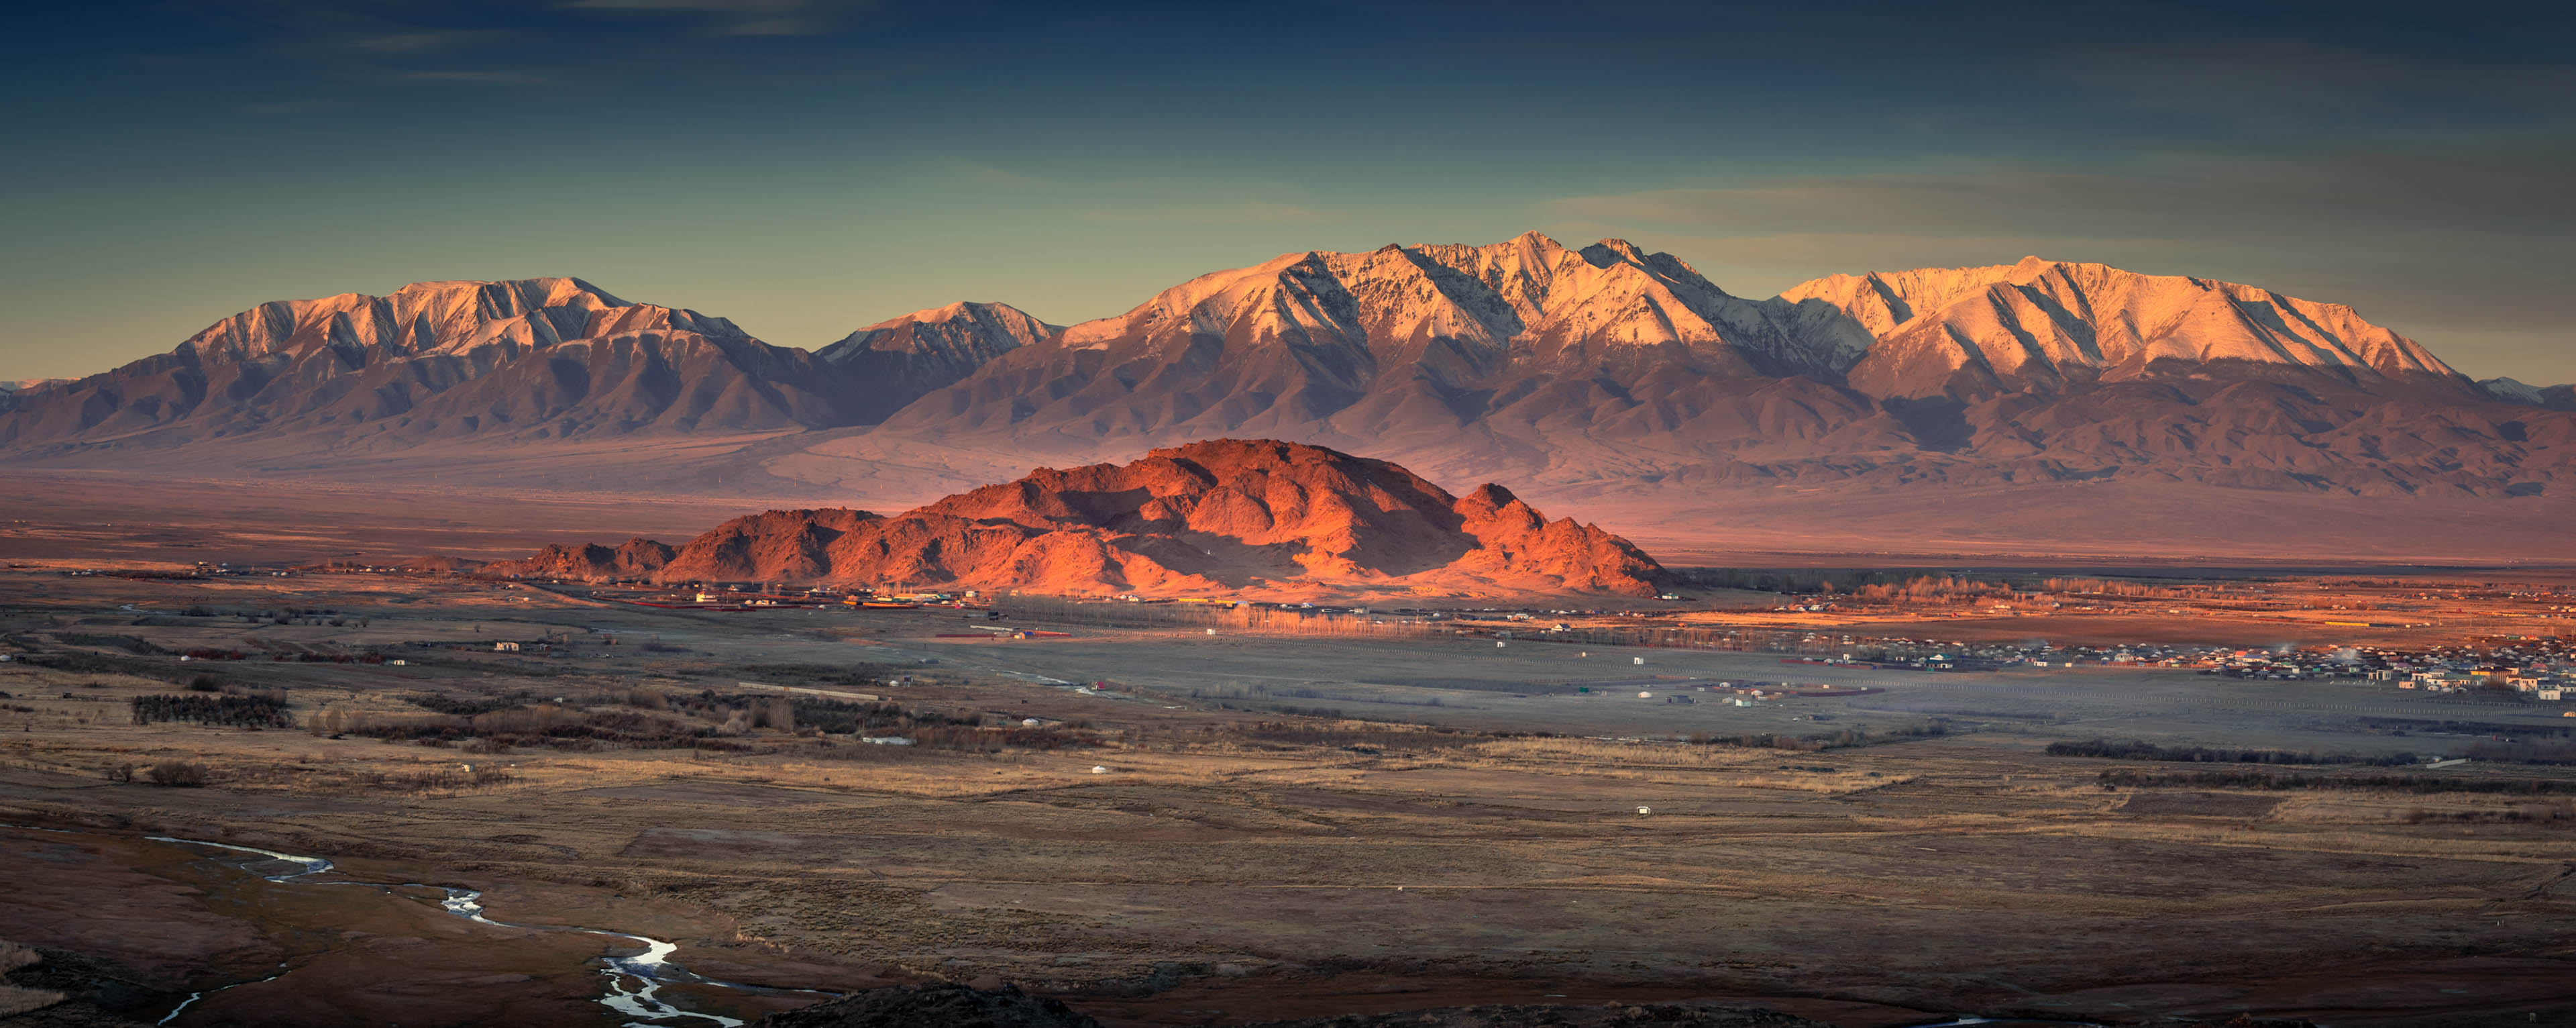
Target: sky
{"type": "Point", "coordinates": [806, 167]}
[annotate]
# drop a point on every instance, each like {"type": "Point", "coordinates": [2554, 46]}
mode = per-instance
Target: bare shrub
{"type": "Point", "coordinates": [179, 774]}
{"type": "Point", "coordinates": [440, 778]}
{"type": "Point", "coordinates": [537, 720]}
{"type": "Point", "coordinates": [778, 713]}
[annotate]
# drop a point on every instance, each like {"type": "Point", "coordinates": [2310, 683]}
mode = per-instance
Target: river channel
{"type": "Point", "coordinates": [633, 983]}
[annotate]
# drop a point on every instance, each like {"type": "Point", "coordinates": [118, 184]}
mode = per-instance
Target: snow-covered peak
{"type": "Point", "coordinates": [524, 292]}
{"type": "Point", "coordinates": [963, 330]}
{"type": "Point", "coordinates": [2510, 390]}
{"type": "Point", "coordinates": [1529, 291]}
{"type": "Point", "coordinates": [450, 316]}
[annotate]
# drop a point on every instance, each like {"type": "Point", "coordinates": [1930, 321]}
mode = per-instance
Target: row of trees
{"type": "Point", "coordinates": [2137, 750]}
{"type": "Point", "coordinates": [243, 710]}
{"type": "Point", "coordinates": [2295, 780]}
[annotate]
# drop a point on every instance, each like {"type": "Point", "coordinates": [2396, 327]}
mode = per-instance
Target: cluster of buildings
{"type": "Point", "coordinates": [2541, 669]}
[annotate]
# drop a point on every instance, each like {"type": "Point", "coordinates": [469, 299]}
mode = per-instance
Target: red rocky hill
{"type": "Point", "coordinates": [1225, 515]}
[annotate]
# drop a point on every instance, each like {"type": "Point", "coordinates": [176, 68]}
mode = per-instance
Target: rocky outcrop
{"type": "Point", "coordinates": [1222, 516]}
{"type": "Point", "coordinates": [635, 559]}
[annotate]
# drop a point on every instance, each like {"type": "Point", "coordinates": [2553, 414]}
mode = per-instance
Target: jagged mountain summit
{"type": "Point", "coordinates": [525, 359]}
{"type": "Point", "coordinates": [1255, 516]}
{"type": "Point", "coordinates": [1397, 339]}
{"type": "Point", "coordinates": [905, 357]}
{"type": "Point", "coordinates": [2048, 326]}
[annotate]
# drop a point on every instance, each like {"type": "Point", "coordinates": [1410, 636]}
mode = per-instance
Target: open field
{"type": "Point", "coordinates": [1280, 826]}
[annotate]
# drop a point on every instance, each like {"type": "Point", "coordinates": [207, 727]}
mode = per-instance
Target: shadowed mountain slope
{"type": "Point", "coordinates": [900, 359]}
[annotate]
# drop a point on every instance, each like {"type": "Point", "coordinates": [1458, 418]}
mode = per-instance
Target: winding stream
{"type": "Point", "coordinates": [634, 982]}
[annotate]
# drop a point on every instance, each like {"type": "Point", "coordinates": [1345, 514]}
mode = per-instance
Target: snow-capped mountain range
{"type": "Point", "coordinates": [2050, 324]}
{"type": "Point", "coordinates": [1603, 367]}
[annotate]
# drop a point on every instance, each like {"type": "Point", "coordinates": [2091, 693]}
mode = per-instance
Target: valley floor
{"type": "Point", "coordinates": [1185, 841]}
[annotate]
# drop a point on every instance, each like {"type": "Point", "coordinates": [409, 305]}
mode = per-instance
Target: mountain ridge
{"type": "Point", "coordinates": [1601, 371]}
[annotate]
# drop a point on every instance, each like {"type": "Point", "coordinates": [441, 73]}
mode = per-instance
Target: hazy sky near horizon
{"type": "Point", "coordinates": [806, 167]}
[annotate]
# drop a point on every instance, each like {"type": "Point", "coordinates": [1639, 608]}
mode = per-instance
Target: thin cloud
{"type": "Point", "coordinates": [293, 107]}
{"type": "Point", "coordinates": [487, 78]}
{"type": "Point", "coordinates": [739, 17]}
{"type": "Point", "coordinates": [417, 41]}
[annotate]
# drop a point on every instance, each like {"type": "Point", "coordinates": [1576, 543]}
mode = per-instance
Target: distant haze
{"type": "Point", "coordinates": [807, 167]}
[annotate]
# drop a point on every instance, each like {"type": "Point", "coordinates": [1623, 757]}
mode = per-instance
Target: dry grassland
{"type": "Point", "coordinates": [1218, 865]}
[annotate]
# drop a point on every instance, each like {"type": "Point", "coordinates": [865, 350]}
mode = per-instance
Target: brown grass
{"type": "Point", "coordinates": [13, 999]}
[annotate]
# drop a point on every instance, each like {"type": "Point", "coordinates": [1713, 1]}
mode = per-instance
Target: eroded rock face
{"type": "Point", "coordinates": [1223, 515]}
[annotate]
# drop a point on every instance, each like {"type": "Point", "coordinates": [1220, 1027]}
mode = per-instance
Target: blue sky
{"type": "Point", "coordinates": [805, 167]}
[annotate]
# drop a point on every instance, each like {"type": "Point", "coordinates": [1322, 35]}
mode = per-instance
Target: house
{"type": "Point", "coordinates": [506, 647]}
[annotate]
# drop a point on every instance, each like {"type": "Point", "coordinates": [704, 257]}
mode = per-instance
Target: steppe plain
{"type": "Point", "coordinates": [1278, 825]}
